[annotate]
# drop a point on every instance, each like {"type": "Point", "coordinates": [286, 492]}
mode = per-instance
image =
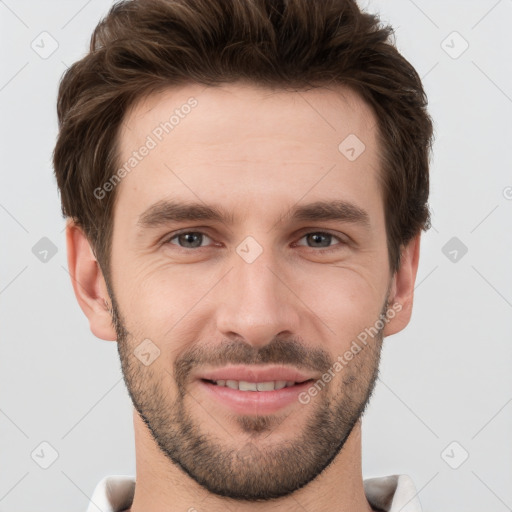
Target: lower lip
{"type": "Point", "coordinates": [255, 402]}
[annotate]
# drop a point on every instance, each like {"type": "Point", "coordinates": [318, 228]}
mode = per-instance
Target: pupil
{"type": "Point", "coordinates": [316, 238]}
{"type": "Point", "coordinates": [188, 238]}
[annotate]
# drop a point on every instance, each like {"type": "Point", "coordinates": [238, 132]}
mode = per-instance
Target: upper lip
{"type": "Point", "coordinates": [255, 374]}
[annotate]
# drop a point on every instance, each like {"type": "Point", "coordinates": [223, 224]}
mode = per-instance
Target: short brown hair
{"type": "Point", "coordinates": [144, 46]}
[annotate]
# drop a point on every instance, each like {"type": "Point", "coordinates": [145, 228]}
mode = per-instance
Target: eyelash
{"type": "Point", "coordinates": [336, 247]}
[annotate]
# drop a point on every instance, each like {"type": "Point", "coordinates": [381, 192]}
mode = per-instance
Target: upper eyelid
{"type": "Point", "coordinates": [322, 233]}
{"type": "Point", "coordinates": [308, 231]}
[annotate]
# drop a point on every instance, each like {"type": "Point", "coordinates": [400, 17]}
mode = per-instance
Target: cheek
{"type": "Point", "coordinates": [346, 300]}
{"type": "Point", "coordinates": [158, 300]}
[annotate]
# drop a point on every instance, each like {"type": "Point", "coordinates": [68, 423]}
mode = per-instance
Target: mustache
{"type": "Point", "coordinates": [280, 351]}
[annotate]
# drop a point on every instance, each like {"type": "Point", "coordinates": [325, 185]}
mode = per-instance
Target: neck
{"type": "Point", "coordinates": [162, 485]}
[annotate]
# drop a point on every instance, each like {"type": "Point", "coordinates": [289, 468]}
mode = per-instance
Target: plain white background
{"type": "Point", "coordinates": [445, 389]}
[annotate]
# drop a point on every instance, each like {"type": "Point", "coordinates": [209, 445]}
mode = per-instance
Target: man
{"type": "Point", "coordinates": [246, 182]}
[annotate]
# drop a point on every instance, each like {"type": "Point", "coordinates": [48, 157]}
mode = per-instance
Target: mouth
{"type": "Point", "coordinates": [250, 377]}
{"type": "Point", "coordinates": [253, 389]}
{"type": "Point", "coordinates": [243, 385]}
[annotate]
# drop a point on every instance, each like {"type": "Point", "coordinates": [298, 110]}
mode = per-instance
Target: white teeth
{"type": "Point", "coordinates": [243, 385]}
{"type": "Point", "coordinates": [233, 384]}
{"type": "Point", "coordinates": [264, 386]}
{"type": "Point", "coordinates": [247, 386]}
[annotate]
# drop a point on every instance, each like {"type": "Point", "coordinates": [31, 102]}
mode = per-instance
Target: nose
{"type": "Point", "coordinates": [257, 302]}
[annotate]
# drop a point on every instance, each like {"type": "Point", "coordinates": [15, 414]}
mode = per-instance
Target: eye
{"type": "Point", "coordinates": [314, 240]}
{"type": "Point", "coordinates": [188, 239]}
{"type": "Point", "coordinates": [321, 240]}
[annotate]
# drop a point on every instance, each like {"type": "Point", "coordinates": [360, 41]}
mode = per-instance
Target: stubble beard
{"type": "Point", "coordinates": [247, 466]}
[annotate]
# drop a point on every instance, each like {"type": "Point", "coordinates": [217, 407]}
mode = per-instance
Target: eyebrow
{"type": "Point", "coordinates": [165, 211]}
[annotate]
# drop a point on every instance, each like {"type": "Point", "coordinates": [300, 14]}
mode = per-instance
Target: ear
{"type": "Point", "coordinates": [88, 283]}
{"type": "Point", "coordinates": [402, 288]}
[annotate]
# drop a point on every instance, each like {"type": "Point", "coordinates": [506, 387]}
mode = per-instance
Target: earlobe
{"type": "Point", "coordinates": [402, 289]}
{"type": "Point", "coordinates": [88, 283]}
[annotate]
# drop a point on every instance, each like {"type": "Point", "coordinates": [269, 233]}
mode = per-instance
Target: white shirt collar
{"type": "Point", "coordinates": [394, 493]}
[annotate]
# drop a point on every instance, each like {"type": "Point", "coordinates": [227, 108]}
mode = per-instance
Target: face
{"type": "Point", "coordinates": [249, 250]}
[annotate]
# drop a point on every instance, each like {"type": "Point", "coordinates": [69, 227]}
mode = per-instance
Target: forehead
{"type": "Point", "coordinates": [239, 111]}
{"type": "Point", "coordinates": [208, 141]}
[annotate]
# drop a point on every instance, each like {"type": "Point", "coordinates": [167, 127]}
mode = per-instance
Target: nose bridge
{"type": "Point", "coordinates": [256, 304]}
